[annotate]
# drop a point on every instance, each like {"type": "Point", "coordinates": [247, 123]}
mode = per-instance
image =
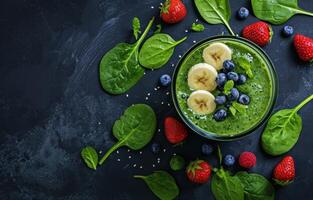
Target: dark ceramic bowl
{"type": "Point", "coordinates": [272, 73]}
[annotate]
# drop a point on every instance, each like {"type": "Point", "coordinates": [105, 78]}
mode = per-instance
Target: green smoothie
{"type": "Point", "coordinates": [259, 88]}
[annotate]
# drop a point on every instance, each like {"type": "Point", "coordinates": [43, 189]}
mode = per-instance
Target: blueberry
{"type": "Point", "coordinates": [220, 115]}
{"type": "Point", "coordinates": [234, 94]}
{"type": "Point", "coordinates": [228, 65]}
{"type": "Point", "coordinates": [221, 80]}
{"type": "Point", "coordinates": [220, 99]}
{"type": "Point", "coordinates": [287, 31]}
{"type": "Point", "coordinates": [155, 147]}
{"type": "Point", "coordinates": [243, 13]}
{"type": "Point", "coordinates": [244, 99]}
{"type": "Point", "coordinates": [232, 76]}
{"type": "Point", "coordinates": [229, 160]}
{"type": "Point", "coordinates": [206, 149]}
{"type": "Point", "coordinates": [165, 80]}
{"type": "Point", "coordinates": [242, 79]}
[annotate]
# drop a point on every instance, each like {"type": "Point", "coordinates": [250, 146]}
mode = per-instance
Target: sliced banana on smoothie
{"type": "Point", "coordinates": [216, 53]}
{"type": "Point", "coordinates": [201, 102]}
{"type": "Point", "coordinates": [202, 76]}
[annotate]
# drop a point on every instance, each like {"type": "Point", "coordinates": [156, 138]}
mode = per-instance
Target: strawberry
{"type": "Point", "coordinates": [260, 33]}
{"type": "Point", "coordinates": [173, 11]}
{"type": "Point", "coordinates": [284, 172]}
{"type": "Point", "coordinates": [304, 47]}
{"type": "Point", "coordinates": [198, 171]}
{"type": "Point", "coordinates": [175, 131]}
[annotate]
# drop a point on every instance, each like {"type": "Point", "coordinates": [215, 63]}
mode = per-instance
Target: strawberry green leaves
{"type": "Point", "coordinates": [134, 129]}
{"type": "Point", "coordinates": [277, 11]}
{"type": "Point", "coordinates": [90, 157]}
{"type": "Point", "coordinates": [162, 184]}
{"type": "Point", "coordinates": [283, 130]}
{"type": "Point", "coordinates": [119, 67]}
{"type": "Point", "coordinates": [215, 12]}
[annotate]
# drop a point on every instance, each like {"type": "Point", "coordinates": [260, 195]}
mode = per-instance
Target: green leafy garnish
{"type": "Point", "coordinates": [256, 186]}
{"type": "Point", "coordinates": [277, 11]}
{"type": "Point", "coordinates": [119, 67]}
{"type": "Point", "coordinates": [157, 50]}
{"type": "Point", "coordinates": [177, 162]}
{"type": "Point", "coordinates": [239, 107]}
{"type": "Point", "coordinates": [233, 111]}
{"type": "Point", "coordinates": [90, 157]}
{"type": "Point", "coordinates": [215, 12]}
{"type": "Point", "coordinates": [134, 129]}
{"type": "Point", "coordinates": [136, 27]}
{"type": "Point", "coordinates": [162, 184]}
{"type": "Point", "coordinates": [228, 86]}
{"type": "Point", "coordinates": [283, 130]}
{"type": "Point", "coordinates": [159, 29]}
{"type": "Point", "coordinates": [244, 64]}
{"type": "Point", "coordinates": [197, 27]}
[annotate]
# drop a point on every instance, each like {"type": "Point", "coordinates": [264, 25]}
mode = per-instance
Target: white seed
{"type": "Point", "coordinates": [153, 165]}
{"type": "Point", "coordinates": [194, 41]}
{"type": "Point", "coordinates": [152, 7]}
{"type": "Point", "coordinates": [134, 165]}
{"type": "Point", "coordinates": [162, 102]}
{"type": "Point", "coordinates": [118, 160]}
{"type": "Point", "coordinates": [117, 152]}
{"type": "Point", "coordinates": [140, 167]}
{"type": "Point", "coordinates": [186, 31]}
{"type": "Point", "coordinates": [179, 56]}
{"type": "Point", "coordinates": [148, 94]}
{"type": "Point", "coordinates": [140, 152]}
{"type": "Point", "coordinates": [127, 95]}
{"type": "Point", "coordinates": [129, 157]}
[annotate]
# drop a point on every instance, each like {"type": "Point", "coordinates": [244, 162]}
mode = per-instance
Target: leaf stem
{"type": "Point", "coordinates": [139, 176]}
{"type": "Point", "coordinates": [305, 101]}
{"type": "Point", "coordinates": [181, 40]}
{"type": "Point", "coordinates": [305, 12]}
{"type": "Point", "coordinates": [113, 148]}
{"type": "Point", "coordinates": [229, 28]}
{"type": "Point", "coordinates": [219, 153]}
{"type": "Point", "coordinates": [142, 37]}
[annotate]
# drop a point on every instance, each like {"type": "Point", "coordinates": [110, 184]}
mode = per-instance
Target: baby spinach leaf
{"type": "Point", "coordinates": [157, 50]}
{"type": "Point", "coordinates": [177, 162]}
{"type": "Point", "coordinates": [136, 27]}
{"type": "Point", "coordinates": [90, 157]}
{"type": "Point", "coordinates": [119, 67]}
{"type": "Point", "coordinates": [226, 187]}
{"type": "Point", "coordinates": [228, 86]}
{"type": "Point", "coordinates": [243, 63]}
{"type": "Point", "coordinates": [215, 12]}
{"type": "Point", "coordinates": [134, 129]}
{"type": "Point", "coordinates": [256, 186]}
{"type": "Point", "coordinates": [162, 184]}
{"type": "Point", "coordinates": [277, 11]}
{"type": "Point", "coordinates": [158, 29]}
{"type": "Point", "coordinates": [197, 27]}
{"type": "Point", "coordinates": [283, 130]}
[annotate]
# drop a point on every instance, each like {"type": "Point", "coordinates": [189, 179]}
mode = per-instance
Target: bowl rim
{"type": "Point", "coordinates": [210, 135]}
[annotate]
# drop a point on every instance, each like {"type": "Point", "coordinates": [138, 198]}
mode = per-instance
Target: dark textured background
{"type": "Point", "coordinates": [52, 105]}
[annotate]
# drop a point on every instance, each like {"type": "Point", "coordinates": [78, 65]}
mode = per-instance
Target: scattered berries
{"type": "Point", "coordinates": [165, 80]}
{"type": "Point", "coordinates": [287, 31]}
{"type": "Point", "coordinates": [220, 99]}
{"type": "Point", "coordinates": [284, 172]}
{"type": "Point", "coordinates": [206, 149]}
{"type": "Point", "coordinates": [242, 79]}
{"type": "Point", "coordinates": [243, 13]}
{"type": "Point", "coordinates": [198, 171]}
{"type": "Point", "coordinates": [244, 99]}
{"type": "Point", "coordinates": [155, 148]}
{"type": "Point", "coordinates": [175, 131]}
{"type": "Point", "coordinates": [304, 47]}
{"type": "Point", "coordinates": [173, 11]}
{"type": "Point", "coordinates": [232, 76]}
{"type": "Point", "coordinates": [234, 94]}
{"type": "Point", "coordinates": [229, 65]}
{"type": "Point", "coordinates": [220, 115]}
{"type": "Point", "coordinates": [229, 160]}
{"type": "Point", "coordinates": [247, 160]}
{"type": "Point", "coordinates": [221, 80]}
{"type": "Point", "coordinates": [260, 33]}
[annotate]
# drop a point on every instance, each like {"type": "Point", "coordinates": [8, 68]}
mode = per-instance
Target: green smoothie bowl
{"type": "Point", "coordinates": [224, 87]}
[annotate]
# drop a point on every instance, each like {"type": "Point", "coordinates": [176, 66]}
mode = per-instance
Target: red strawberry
{"type": "Point", "coordinates": [198, 171]}
{"type": "Point", "coordinates": [173, 11]}
{"type": "Point", "coordinates": [284, 172]}
{"type": "Point", "coordinates": [175, 131]}
{"type": "Point", "coordinates": [304, 47]}
{"type": "Point", "coordinates": [247, 159]}
{"type": "Point", "coordinates": [260, 33]}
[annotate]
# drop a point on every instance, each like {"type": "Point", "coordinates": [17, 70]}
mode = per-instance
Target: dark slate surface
{"type": "Point", "coordinates": [52, 105]}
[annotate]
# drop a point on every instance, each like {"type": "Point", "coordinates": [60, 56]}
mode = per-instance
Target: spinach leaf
{"type": "Point", "coordinates": [177, 162]}
{"type": "Point", "coordinates": [277, 11]}
{"type": "Point", "coordinates": [157, 50]}
{"type": "Point", "coordinates": [244, 63]}
{"type": "Point", "coordinates": [162, 184]}
{"type": "Point", "coordinates": [159, 29]}
{"type": "Point", "coordinates": [283, 130]}
{"type": "Point", "coordinates": [119, 67]}
{"type": "Point", "coordinates": [228, 86]}
{"type": "Point", "coordinates": [134, 129]}
{"type": "Point", "coordinates": [90, 157]}
{"type": "Point", "coordinates": [215, 12]}
{"type": "Point", "coordinates": [197, 27]}
{"type": "Point", "coordinates": [136, 27]}
{"type": "Point", "coordinates": [232, 110]}
{"type": "Point", "coordinates": [226, 187]}
{"type": "Point", "coordinates": [239, 107]}
{"type": "Point", "coordinates": [256, 186]}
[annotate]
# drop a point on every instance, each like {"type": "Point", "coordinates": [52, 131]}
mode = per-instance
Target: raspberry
{"type": "Point", "coordinates": [247, 159]}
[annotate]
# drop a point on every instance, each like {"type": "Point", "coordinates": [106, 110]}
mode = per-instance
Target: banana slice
{"type": "Point", "coordinates": [201, 102]}
{"type": "Point", "coordinates": [202, 76]}
{"type": "Point", "coordinates": [216, 54]}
